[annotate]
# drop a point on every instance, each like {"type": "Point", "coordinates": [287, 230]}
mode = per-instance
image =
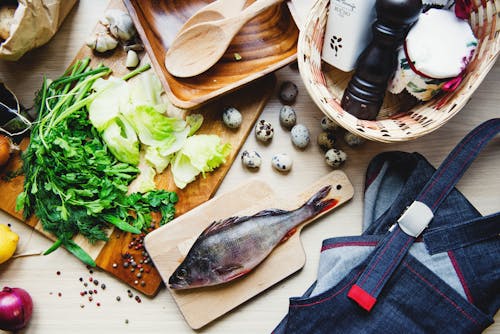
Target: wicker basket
{"type": "Point", "coordinates": [326, 84]}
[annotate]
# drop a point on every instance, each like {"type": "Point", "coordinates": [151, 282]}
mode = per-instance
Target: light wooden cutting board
{"type": "Point", "coordinates": [169, 245]}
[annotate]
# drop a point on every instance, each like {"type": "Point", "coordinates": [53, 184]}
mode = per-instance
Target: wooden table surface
{"type": "Point", "coordinates": [58, 304]}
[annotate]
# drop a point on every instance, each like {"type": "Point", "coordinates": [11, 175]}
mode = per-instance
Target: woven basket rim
{"type": "Point", "coordinates": [422, 120]}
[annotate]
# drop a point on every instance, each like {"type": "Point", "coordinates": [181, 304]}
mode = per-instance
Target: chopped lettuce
{"type": "Point", "coordinates": [155, 129]}
{"type": "Point", "coordinates": [131, 117]}
{"type": "Point", "coordinates": [122, 141]}
{"type": "Point", "coordinates": [200, 154]}
{"type": "Point", "coordinates": [113, 98]}
{"type": "Point", "coordinates": [194, 121]}
{"type": "Point", "coordinates": [155, 159]}
{"type": "Point", "coordinates": [147, 91]}
{"type": "Point", "coordinates": [145, 181]}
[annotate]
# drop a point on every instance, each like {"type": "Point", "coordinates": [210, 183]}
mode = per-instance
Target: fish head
{"type": "Point", "coordinates": [193, 272]}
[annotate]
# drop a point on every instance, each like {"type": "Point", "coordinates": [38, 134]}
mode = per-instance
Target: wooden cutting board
{"type": "Point", "coordinates": [169, 245]}
{"type": "Point", "coordinates": [249, 100]}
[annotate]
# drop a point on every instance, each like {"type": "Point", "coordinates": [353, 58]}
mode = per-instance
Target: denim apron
{"type": "Point", "coordinates": [429, 267]}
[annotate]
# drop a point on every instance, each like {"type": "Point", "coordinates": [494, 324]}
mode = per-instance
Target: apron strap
{"type": "Point", "coordinates": [419, 214]}
{"type": "Point", "coordinates": [462, 234]}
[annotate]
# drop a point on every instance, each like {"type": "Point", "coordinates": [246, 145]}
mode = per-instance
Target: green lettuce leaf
{"type": "Point", "coordinates": [122, 141]}
{"type": "Point", "coordinates": [145, 181]}
{"type": "Point", "coordinates": [200, 154]}
{"type": "Point", "coordinates": [147, 90]}
{"type": "Point", "coordinates": [155, 159]}
{"type": "Point", "coordinates": [157, 130]}
{"type": "Point", "coordinates": [113, 98]}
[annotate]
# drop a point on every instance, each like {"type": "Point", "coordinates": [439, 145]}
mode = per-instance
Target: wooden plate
{"type": "Point", "coordinates": [265, 44]}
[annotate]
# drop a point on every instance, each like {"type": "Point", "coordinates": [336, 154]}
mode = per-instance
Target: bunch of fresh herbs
{"type": "Point", "coordinates": [73, 184]}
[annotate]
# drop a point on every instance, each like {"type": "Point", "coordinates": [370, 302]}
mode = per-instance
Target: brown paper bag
{"type": "Point", "coordinates": [34, 23]}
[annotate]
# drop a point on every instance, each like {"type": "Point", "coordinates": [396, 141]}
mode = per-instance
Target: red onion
{"type": "Point", "coordinates": [16, 307]}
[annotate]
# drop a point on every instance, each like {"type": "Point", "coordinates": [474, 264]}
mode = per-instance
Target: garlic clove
{"type": "Point", "coordinates": [120, 24]}
{"type": "Point", "coordinates": [132, 59]}
{"type": "Point", "coordinates": [102, 42]}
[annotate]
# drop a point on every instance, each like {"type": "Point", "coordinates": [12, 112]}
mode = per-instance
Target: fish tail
{"type": "Point", "coordinates": [316, 201]}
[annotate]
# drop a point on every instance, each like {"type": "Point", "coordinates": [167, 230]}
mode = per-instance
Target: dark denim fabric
{"type": "Point", "coordinates": [417, 297]}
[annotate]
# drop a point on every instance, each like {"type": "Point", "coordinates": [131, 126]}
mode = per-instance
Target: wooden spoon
{"type": "Point", "coordinates": [198, 48]}
{"type": "Point", "coordinates": [217, 10]}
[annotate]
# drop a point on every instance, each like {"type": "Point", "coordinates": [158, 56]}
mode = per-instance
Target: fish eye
{"type": "Point", "coordinates": [182, 273]}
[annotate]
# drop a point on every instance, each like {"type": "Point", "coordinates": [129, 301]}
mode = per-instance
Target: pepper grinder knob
{"type": "Point", "coordinates": [365, 92]}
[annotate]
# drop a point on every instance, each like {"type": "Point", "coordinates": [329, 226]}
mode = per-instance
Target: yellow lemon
{"type": "Point", "coordinates": [8, 243]}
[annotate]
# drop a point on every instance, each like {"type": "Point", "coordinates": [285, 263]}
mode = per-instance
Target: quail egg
{"type": "Point", "coordinates": [353, 140]}
{"type": "Point", "coordinates": [328, 125]}
{"type": "Point", "coordinates": [300, 136]}
{"type": "Point", "coordinates": [335, 157]}
{"type": "Point", "coordinates": [251, 159]}
{"type": "Point", "coordinates": [288, 117]}
{"type": "Point", "coordinates": [326, 140]}
{"type": "Point", "coordinates": [282, 162]}
{"type": "Point", "coordinates": [232, 117]}
{"type": "Point", "coordinates": [288, 92]}
{"type": "Point", "coordinates": [264, 130]}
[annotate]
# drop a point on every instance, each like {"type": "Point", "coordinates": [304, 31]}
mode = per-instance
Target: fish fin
{"type": "Point", "coordinates": [316, 200]}
{"type": "Point", "coordinates": [288, 235]}
{"type": "Point", "coordinates": [225, 270]}
{"type": "Point", "coordinates": [241, 273]}
{"type": "Point", "coordinates": [327, 205]}
{"type": "Point", "coordinates": [270, 212]}
{"type": "Point", "coordinates": [219, 225]}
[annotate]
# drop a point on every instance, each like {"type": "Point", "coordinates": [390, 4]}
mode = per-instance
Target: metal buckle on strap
{"type": "Point", "coordinates": [415, 219]}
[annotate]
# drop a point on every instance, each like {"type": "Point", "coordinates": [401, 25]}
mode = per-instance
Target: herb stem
{"type": "Point", "coordinates": [136, 71]}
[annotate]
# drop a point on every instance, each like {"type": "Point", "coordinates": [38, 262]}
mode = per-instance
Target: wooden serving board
{"type": "Point", "coordinates": [169, 245]}
{"type": "Point", "coordinates": [249, 100]}
{"type": "Point", "coordinates": [265, 44]}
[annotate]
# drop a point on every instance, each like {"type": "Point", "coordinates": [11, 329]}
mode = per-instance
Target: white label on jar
{"type": "Point", "coordinates": [348, 32]}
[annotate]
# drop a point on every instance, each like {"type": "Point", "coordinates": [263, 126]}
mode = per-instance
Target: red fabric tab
{"type": "Point", "coordinates": [363, 298]}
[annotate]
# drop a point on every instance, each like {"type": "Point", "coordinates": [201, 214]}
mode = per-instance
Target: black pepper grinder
{"type": "Point", "coordinates": [364, 95]}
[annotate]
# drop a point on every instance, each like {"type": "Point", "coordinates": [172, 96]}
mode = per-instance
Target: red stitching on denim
{"type": "Point", "coordinates": [460, 276]}
{"type": "Point", "coordinates": [331, 296]}
{"type": "Point", "coordinates": [468, 316]}
{"type": "Point", "coordinates": [349, 243]}
{"type": "Point", "coordinates": [379, 256]}
{"type": "Point", "coordinates": [392, 264]}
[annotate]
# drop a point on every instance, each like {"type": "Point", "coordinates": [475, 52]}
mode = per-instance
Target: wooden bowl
{"type": "Point", "coordinates": [326, 84]}
{"type": "Point", "coordinates": [265, 44]}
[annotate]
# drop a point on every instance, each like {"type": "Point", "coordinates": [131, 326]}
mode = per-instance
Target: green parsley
{"type": "Point", "coordinates": [73, 184]}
